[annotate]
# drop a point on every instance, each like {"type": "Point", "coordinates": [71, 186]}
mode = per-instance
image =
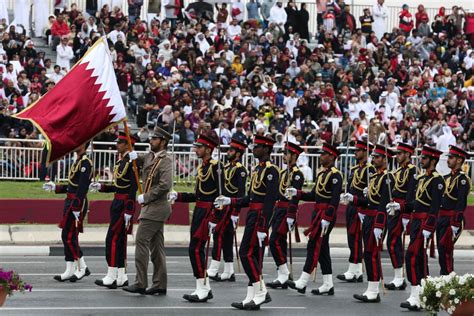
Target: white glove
{"type": "Point", "coordinates": [234, 220]}
{"type": "Point", "coordinates": [361, 217]}
{"type": "Point", "coordinates": [378, 234]}
{"type": "Point", "coordinates": [392, 208]}
{"type": "Point", "coordinates": [291, 223]}
{"type": "Point", "coordinates": [365, 191]}
{"type": "Point", "coordinates": [77, 215]}
{"type": "Point", "coordinates": [261, 237]}
{"type": "Point", "coordinates": [95, 186]}
{"type": "Point", "coordinates": [133, 155]}
{"type": "Point", "coordinates": [426, 234]}
{"type": "Point", "coordinates": [405, 222]}
{"type": "Point", "coordinates": [455, 230]}
{"type": "Point", "coordinates": [290, 193]}
{"type": "Point", "coordinates": [211, 226]}
{"type": "Point", "coordinates": [348, 197]}
{"type": "Point", "coordinates": [324, 226]}
{"type": "Point", "coordinates": [172, 196]}
{"type": "Point", "coordinates": [221, 201]}
{"type": "Point", "coordinates": [49, 186]}
{"type": "Point", "coordinates": [127, 218]}
{"type": "Point", "coordinates": [141, 199]}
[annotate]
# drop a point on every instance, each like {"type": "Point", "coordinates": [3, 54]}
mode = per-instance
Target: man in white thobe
{"type": "Point", "coordinates": [380, 18]}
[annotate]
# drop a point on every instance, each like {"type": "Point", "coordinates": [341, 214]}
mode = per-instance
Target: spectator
{"type": "Point", "coordinates": [406, 20]}
{"type": "Point", "coordinates": [64, 54]}
{"type": "Point", "coordinates": [366, 21]}
{"type": "Point", "coordinates": [278, 15]}
{"type": "Point", "coordinates": [421, 16]}
{"type": "Point", "coordinates": [252, 10]}
{"type": "Point", "coordinates": [303, 21]}
{"type": "Point", "coordinates": [59, 29]}
{"type": "Point", "coordinates": [237, 11]}
{"type": "Point", "coordinates": [380, 18]}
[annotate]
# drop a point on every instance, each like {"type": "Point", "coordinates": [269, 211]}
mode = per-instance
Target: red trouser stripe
{"type": "Point", "coordinates": [113, 250]}
{"type": "Point", "coordinates": [374, 264]}
{"type": "Point", "coordinates": [392, 250]}
{"type": "Point", "coordinates": [317, 250]}
{"type": "Point", "coordinates": [413, 270]}
{"type": "Point", "coordinates": [69, 240]}
{"type": "Point", "coordinates": [198, 258]}
{"type": "Point", "coordinates": [249, 254]}
{"type": "Point", "coordinates": [279, 250]}
{"type": "Point", "coordinates": [356, 241]}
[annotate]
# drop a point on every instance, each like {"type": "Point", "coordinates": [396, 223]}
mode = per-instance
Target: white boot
{"type": "Point", "coordinates": [301, 283]}
{"type": "Point", "coordinates": [398, 280]}
{"type": "Point", "coordinates": [260, 297]}
{"type": "Point", "coordinates": [213, 268]}
{"type": "Point", "coordinates": [248, 298]}
{"type": "Point", "coordinates": [359, 271]}
{"type": "Point", "coordinates": [202, 293]}
{"type": "Point", "coordinates": [283, 273]}
{"type": "Point", "coordinates": [67, 274]}
{"type": "Point", "coordinates": [327, 287]}
{"type": "Point", "coordinates": [202, 290]}
{"type": "Point", "coordinates": [414, 298]}
{"type": "Point", "coordinates": [81, 270]}
{"type": "Point", "coordinates": [110, 277]}
{"type": "Point", "coordinates": [122, 278]}
{"type": "Point", "coordinates": [372, 292]}
{"type": "Point", "coordinates": [352, 274]}
{"type": "Point", "coordinates": [228, 274]}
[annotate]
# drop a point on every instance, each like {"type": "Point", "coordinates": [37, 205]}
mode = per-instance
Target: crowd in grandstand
{"type": "Point", "coordinates": [204, 66]}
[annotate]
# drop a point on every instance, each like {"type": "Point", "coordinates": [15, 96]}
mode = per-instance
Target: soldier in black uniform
{"type": "Point", "coordinates": [261, 199]}
{"type": "Point", "coordinates": [355, 185]}
{"type": "Point", "coordinates": [423, 204]}
{"type": "Point", "coordinates": [121, 214]}
{"type": "Point", "coordinates": [235, 175]}
{"type": "Point", "coordinates": [326, 193]}
{"type": "Point", "coordinates": [372, 214]}
{"type": "Point", "coordinates": [75, 209]}
{"type": "Point", "coordinates": [398, 218]}
{"type": "Point", "coordinates": [453, 204]}
{"type": "Point", "coordinates": [284, 214]}
{"type": "Point", "coordinates": [204, 221]}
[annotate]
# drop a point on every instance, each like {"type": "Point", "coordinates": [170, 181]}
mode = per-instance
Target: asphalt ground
{"type": "Point", "coordinates": [50, 297]}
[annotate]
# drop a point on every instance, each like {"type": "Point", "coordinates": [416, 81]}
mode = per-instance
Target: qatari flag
{"type": "Point", "coordinates": [83, 104]}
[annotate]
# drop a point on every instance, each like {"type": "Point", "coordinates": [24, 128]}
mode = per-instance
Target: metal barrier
{"type": "Point", "coordinates": [356, 10]}
{"type": "Point", "coordinates": [21, 160]}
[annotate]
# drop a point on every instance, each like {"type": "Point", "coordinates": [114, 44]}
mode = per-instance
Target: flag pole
{"type": "Point", "coordinates": [134, 162]}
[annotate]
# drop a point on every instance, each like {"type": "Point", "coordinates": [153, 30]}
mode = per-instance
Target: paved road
{"type": "Point", "coordinates": [84, 298]}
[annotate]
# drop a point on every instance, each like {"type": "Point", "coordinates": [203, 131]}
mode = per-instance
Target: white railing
{"type": "Point", "coordinates": [21, 160]}
{"type": "Point", "coordinates": [356, 10]}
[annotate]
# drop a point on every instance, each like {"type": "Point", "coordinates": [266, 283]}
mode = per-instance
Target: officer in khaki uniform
{"type": "Point", "coordinates": [157, 178]}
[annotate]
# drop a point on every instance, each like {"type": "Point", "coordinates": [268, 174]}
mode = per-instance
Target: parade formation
{"type": "Point", "coordinates": [381, 204]}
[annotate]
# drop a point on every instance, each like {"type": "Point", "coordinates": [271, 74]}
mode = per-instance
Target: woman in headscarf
{"type": "Point", "coordinates": [203, 43]}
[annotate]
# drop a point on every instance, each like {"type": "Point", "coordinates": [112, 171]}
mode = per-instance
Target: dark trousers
{"type": "Point", "coordinates": [251, 254]}
{"type": "Point", "coordinates": [199, 238]}
{"type": "Point", "coordinates": [416, 259]}
{"type": "Point", "coordinates": [371, 250]}
{"type": "Point", "coordinates": [70, 235]}
{"type": "Point", "coordinates": [354, 234]}
{"type": "Point", "coordinates": [116, 240]}
{"type": "Point", "coordinates": [445, 243]}
{"type": "Point", "coordinates": [394, 240]}
{"type": "Point", "coordinates": [278, 244]}
{"type": "Point", "coordinates": [224, 241]}
{"type": "Point", "coordinates": [317, 249]}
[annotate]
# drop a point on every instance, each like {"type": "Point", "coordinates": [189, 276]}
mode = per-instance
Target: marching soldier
{"type": "Point", "coordinates": [423, 203]}
{"type": "Point", "coordinates": [326, 194]}
{"type": "Point", "coordinates": [157, 177]}
{"type": "Point", "coordinates": [204, 221]}
{"type": "Point", "coordinates": [235, 177]}
{"type": "Point", "coordinates": [121, 214]}
{"type": "Point", "coordinates": [356, 185]}
{"type": "Point", "coordinates": [75, 209]}
{"type": "Point", "coordinates": [261, 199]}
{"type": "Point", "coordinates": [453, 204]}
{"type": "Point", "coordinates": [284, 214]}
{"type": "Point", "coordinates": [398, 218]}
{"type": "Point", "coordinates": [372, 214]}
